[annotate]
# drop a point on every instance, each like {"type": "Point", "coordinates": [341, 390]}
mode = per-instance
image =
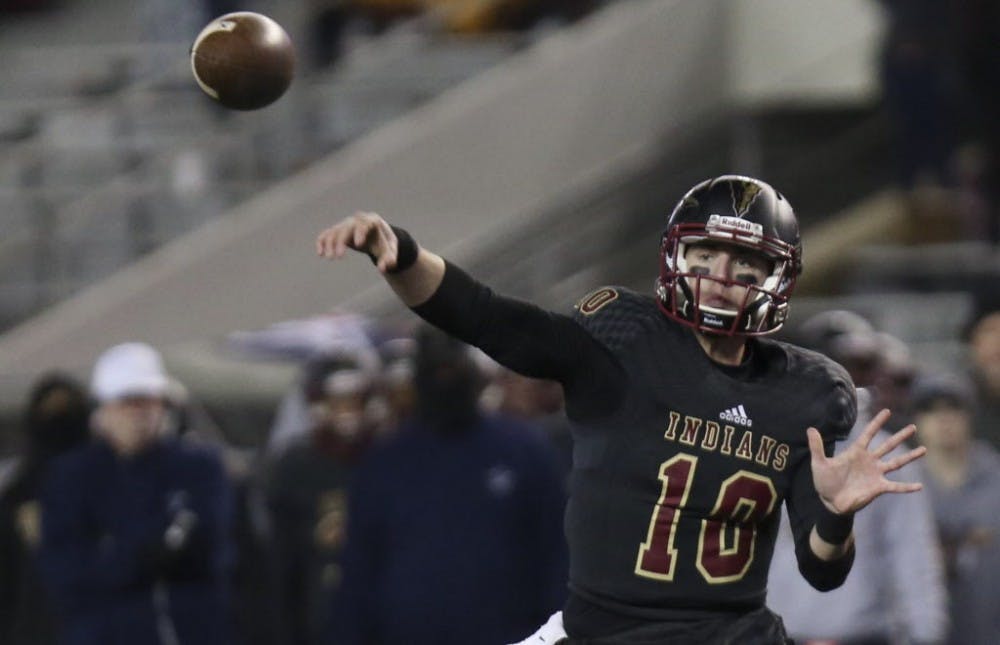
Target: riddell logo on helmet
{"type": "Point", "coordinates": [736, 415]}
{"type": "Point", "coordinates": [725, 223]}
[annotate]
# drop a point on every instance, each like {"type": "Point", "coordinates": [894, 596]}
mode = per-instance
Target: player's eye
{"type": "Point", "coordinates": [752, 262]}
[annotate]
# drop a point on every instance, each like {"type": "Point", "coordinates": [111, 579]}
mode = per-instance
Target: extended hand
{"type": "Point", "coordinates": [850, 480]}
{"type": "Point", "coordinates": [364, 232]}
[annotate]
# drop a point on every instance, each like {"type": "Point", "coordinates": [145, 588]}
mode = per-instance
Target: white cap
{"type": "Point", "coordinates": [130, 369]}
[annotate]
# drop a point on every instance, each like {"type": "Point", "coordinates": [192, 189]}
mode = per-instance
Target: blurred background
{"type": "Point", "coordinates": [542, 146]}
{"type": "Point", "coordinates": [539, 143]}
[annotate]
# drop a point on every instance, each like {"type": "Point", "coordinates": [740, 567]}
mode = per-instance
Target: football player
{"type": "Point", "coordinates": [691, 429]}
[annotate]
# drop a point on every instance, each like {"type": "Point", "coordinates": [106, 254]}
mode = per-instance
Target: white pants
{"type": "Point", "coordinates": [549, 633]}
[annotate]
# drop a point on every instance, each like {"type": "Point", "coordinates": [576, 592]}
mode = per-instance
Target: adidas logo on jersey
{"type": "Point", "coordinates": [736, 415]}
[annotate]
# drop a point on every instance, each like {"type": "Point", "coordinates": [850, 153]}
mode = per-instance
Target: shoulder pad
{"type": "Point", "coordinates": [615, 315]}
{"type": "Point", "coordinates": [830, 386]}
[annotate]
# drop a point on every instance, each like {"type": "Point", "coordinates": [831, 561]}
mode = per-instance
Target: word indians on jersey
{"type": "Point", "coordinates": [712, 436]}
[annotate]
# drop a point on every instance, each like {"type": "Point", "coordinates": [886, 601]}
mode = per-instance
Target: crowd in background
{"type": "Point", "coordinates": [412, 491]}
{"type": "Point", "coordinates": [924, 570]}
{"type": "Point", "coordinates": [129, 519]}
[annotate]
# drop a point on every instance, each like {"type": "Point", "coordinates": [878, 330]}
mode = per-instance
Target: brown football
{"type": "Point", "coordinates": [243, 60]}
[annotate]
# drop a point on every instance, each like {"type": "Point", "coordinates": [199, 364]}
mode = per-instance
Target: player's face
{"type": "Point", "coordinates": [732, 267]}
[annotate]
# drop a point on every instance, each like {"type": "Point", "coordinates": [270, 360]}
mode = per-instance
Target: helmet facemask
{"type": "Point", "coordinates": [764, 306]}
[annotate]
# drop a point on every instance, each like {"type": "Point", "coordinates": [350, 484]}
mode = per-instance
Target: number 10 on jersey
{"type": "Point", "coordinates": [726, 542]}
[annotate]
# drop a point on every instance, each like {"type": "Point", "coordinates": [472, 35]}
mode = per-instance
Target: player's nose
{"type": "Point", "coordinates": [721, 266]}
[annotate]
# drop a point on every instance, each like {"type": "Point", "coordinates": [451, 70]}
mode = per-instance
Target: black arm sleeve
{"type": "Point", "coordinates": [804, 507]}
{"type": "Point", "coordinates": [823, 575]}
{"type": "Point", "coordinates": [524, 337]}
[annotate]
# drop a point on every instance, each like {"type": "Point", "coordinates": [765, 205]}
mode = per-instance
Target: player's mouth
{"type": "Point", "coordinates": [717, 302]}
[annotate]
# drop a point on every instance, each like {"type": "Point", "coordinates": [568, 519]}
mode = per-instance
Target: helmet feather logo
{"type": "Point", "coordinates": [744, 194]}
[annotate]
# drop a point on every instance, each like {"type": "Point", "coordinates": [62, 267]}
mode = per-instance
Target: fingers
{"type": "Point", "coordinates": [815, 445]}
{"type": "Point", "coordinates": [872, 428]}
{"type": "Point", "coordinates": [357, 236]}
{"type": "Point", "coordinates": [330, 243]}
{"type": "Point", "coordinates": [362, 231]}
{"type": "Point", "coordinates": [387, 258]}
{"type": "Point", "coordinates": [903, 487]}
{"type": "Point", "coordinates": [323, 243]}
{"type": "Point", "coordinates": [362, 234]}
{"type": "Point", "coordinates": [898, 462]}
{"type": "Point", "coordinates": [890, 444]}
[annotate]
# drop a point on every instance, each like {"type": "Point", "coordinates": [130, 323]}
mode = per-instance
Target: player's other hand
{"type": "Point", "coordinates": [363, 231]}
{"type": "Point", "coordinates": [850, 480]}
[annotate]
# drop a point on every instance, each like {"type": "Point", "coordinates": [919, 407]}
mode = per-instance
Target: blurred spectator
{"type": "Point", "coordinates": [877, 361]}
{"type": "Point", "coordinates": [978, 32]}
{"type": "Point", "coordinates": [257, 617]}
{"type": "Point", "coordinates": [847, 338]}
{"type": "Point", "coordinates": [55, 421]}
{"type": "Point", "coordinates": [454, 533]}
{"type": "Point", "coordinates": [895, 594]}
{"type": "Point", "coordinates": [540, 402]}
{"type": "Point", "coordinates": [917, 75]}
{"type": "Point", "coordinates": [314, 342]}
{"type": "Point", "coordinates": [136, 525]}
{"type": "Point", "coordinates": [255, 602]}
{"type": "Point", "coordinates": [963, 477]}
{"type": "Point", "coordinates": [893, 378]}
{"type": "Point", "coordinates": [983, 340]}
{"type": "Point", "coordinates": [294, 419]}
{"type": "Point", "coordinates": [308, 493]}
{"type": "Point", "coordinates": [396, 387]}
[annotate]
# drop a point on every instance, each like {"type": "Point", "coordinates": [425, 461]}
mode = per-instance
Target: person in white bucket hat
{"type": "Point", "coordinates": [136, 526]}
{"type": "Point", "coordinates": [131, 388]}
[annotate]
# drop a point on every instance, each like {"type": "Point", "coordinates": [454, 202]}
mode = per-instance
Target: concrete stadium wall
{"type": "Point", "coordinates": [479, 160]}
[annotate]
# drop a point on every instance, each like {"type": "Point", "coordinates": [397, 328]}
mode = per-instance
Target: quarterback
{"type": "Point", "coordinates": [691, 428]}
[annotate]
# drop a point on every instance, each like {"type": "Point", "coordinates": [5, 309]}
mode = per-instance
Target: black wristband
{"type": "Point", "coordinates": [834, 528]}
{"type": "Point", "coordinates": [406, 250]}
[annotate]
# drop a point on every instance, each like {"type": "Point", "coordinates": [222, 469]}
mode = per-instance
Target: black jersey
{"type": "Point", "coordinates": [680, 465]}
{"type": "Point", "coordinates": [677, 491]}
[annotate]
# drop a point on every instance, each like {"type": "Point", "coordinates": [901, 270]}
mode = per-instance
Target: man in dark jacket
{"type": "Point", "coordinates": [135, 526]}
{"type": "Point", "coordinates": [307, 490]}
{"type": "Point", "coordinates": [454, 530]}
{"type": "Point", "coordinates": [55, 421]}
